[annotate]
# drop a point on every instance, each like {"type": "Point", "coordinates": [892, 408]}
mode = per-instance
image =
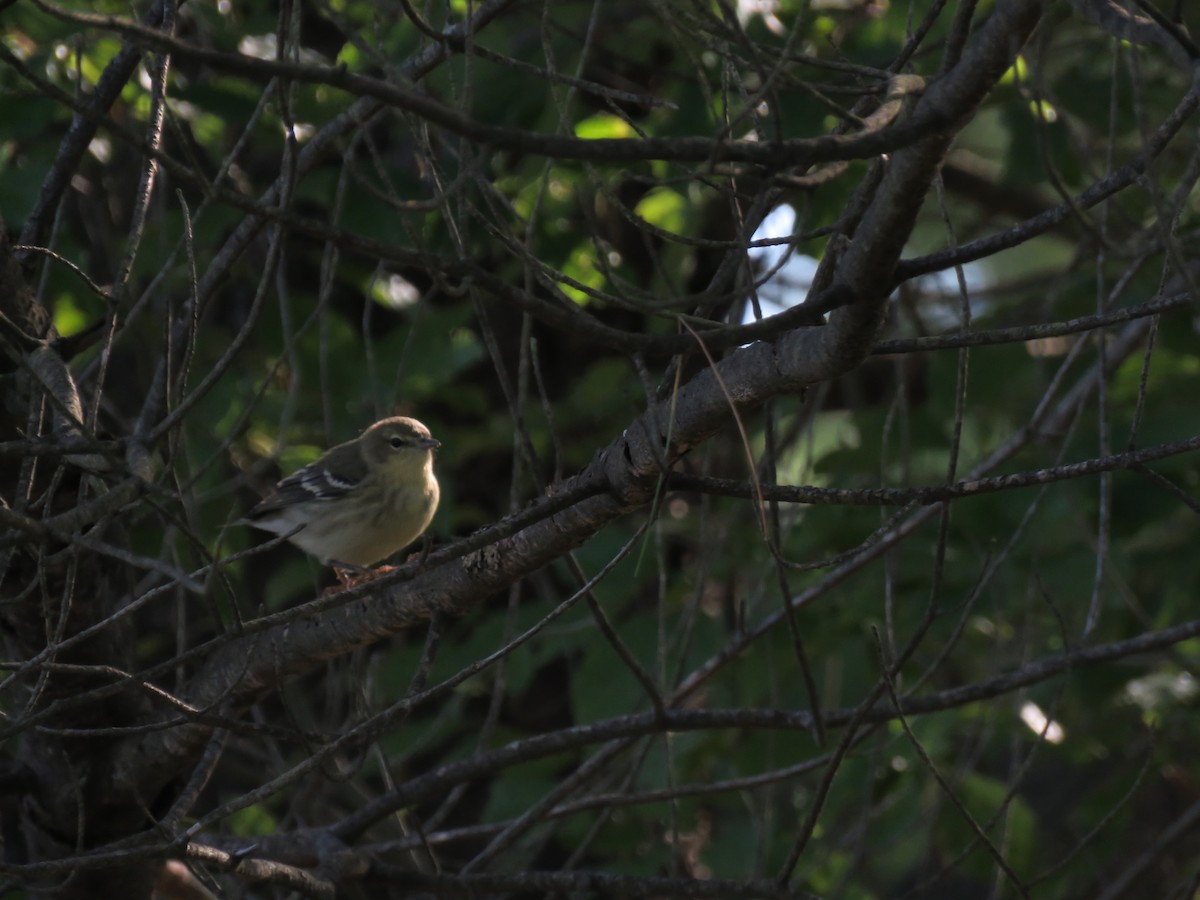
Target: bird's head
{"type": "Point", "coordinates": [399, 443]}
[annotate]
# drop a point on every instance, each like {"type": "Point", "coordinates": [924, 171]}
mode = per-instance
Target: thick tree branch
{"type": "Point", "coordinates": [629, 467]}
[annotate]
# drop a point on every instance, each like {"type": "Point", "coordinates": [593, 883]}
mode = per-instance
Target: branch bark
{"type": "Point", "coordinates": [627, 470]}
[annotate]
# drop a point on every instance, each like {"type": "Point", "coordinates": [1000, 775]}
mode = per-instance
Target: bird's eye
{"type": "Point", "coordinates": [397, 443]}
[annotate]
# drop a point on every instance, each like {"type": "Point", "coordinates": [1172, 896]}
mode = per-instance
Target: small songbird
{"type": "Point", "coordinates": [360, 502]}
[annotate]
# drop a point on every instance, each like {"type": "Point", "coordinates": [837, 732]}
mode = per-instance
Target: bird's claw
{"type": "Point", "coordinates": [349, 575]}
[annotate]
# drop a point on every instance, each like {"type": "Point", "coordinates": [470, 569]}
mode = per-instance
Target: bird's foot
{"type": "Point", "coordinates": [350, 575]}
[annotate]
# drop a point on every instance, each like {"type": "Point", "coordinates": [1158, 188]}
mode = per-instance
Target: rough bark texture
{"type": "Point", "coordinates": [84, 793]}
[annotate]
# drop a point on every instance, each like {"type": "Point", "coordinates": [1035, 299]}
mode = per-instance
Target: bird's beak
{"type": "Point", "coordinates": [429, 443]}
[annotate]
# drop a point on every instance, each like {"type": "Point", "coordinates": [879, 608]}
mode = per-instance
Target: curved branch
{"type": "Point", "coordinates": [1144, 30]}
{"type": "Point", "coordinates": [883, 134]}
{"type": "Point", "coordinates": [786, 493]}
{"type": "Point", "coordinates": [628, 469]}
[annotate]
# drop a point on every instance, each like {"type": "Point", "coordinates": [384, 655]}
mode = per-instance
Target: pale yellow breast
{"type": "Point", "coordinates": [344, 534]}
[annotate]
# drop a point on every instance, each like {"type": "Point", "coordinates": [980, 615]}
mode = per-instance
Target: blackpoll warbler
{"type": "Point", "coordinates": [360, 502]}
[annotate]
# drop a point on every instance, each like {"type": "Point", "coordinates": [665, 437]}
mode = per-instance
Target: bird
{"type": "Point", "coordinates": [360, 502]}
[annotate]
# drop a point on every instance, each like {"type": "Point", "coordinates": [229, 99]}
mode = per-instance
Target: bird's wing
{"type": "Point", "coordinates": [315, 482]}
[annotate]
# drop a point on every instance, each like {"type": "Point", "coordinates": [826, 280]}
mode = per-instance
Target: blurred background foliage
{"type": "Point", "coordinates": [1072, 777]}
